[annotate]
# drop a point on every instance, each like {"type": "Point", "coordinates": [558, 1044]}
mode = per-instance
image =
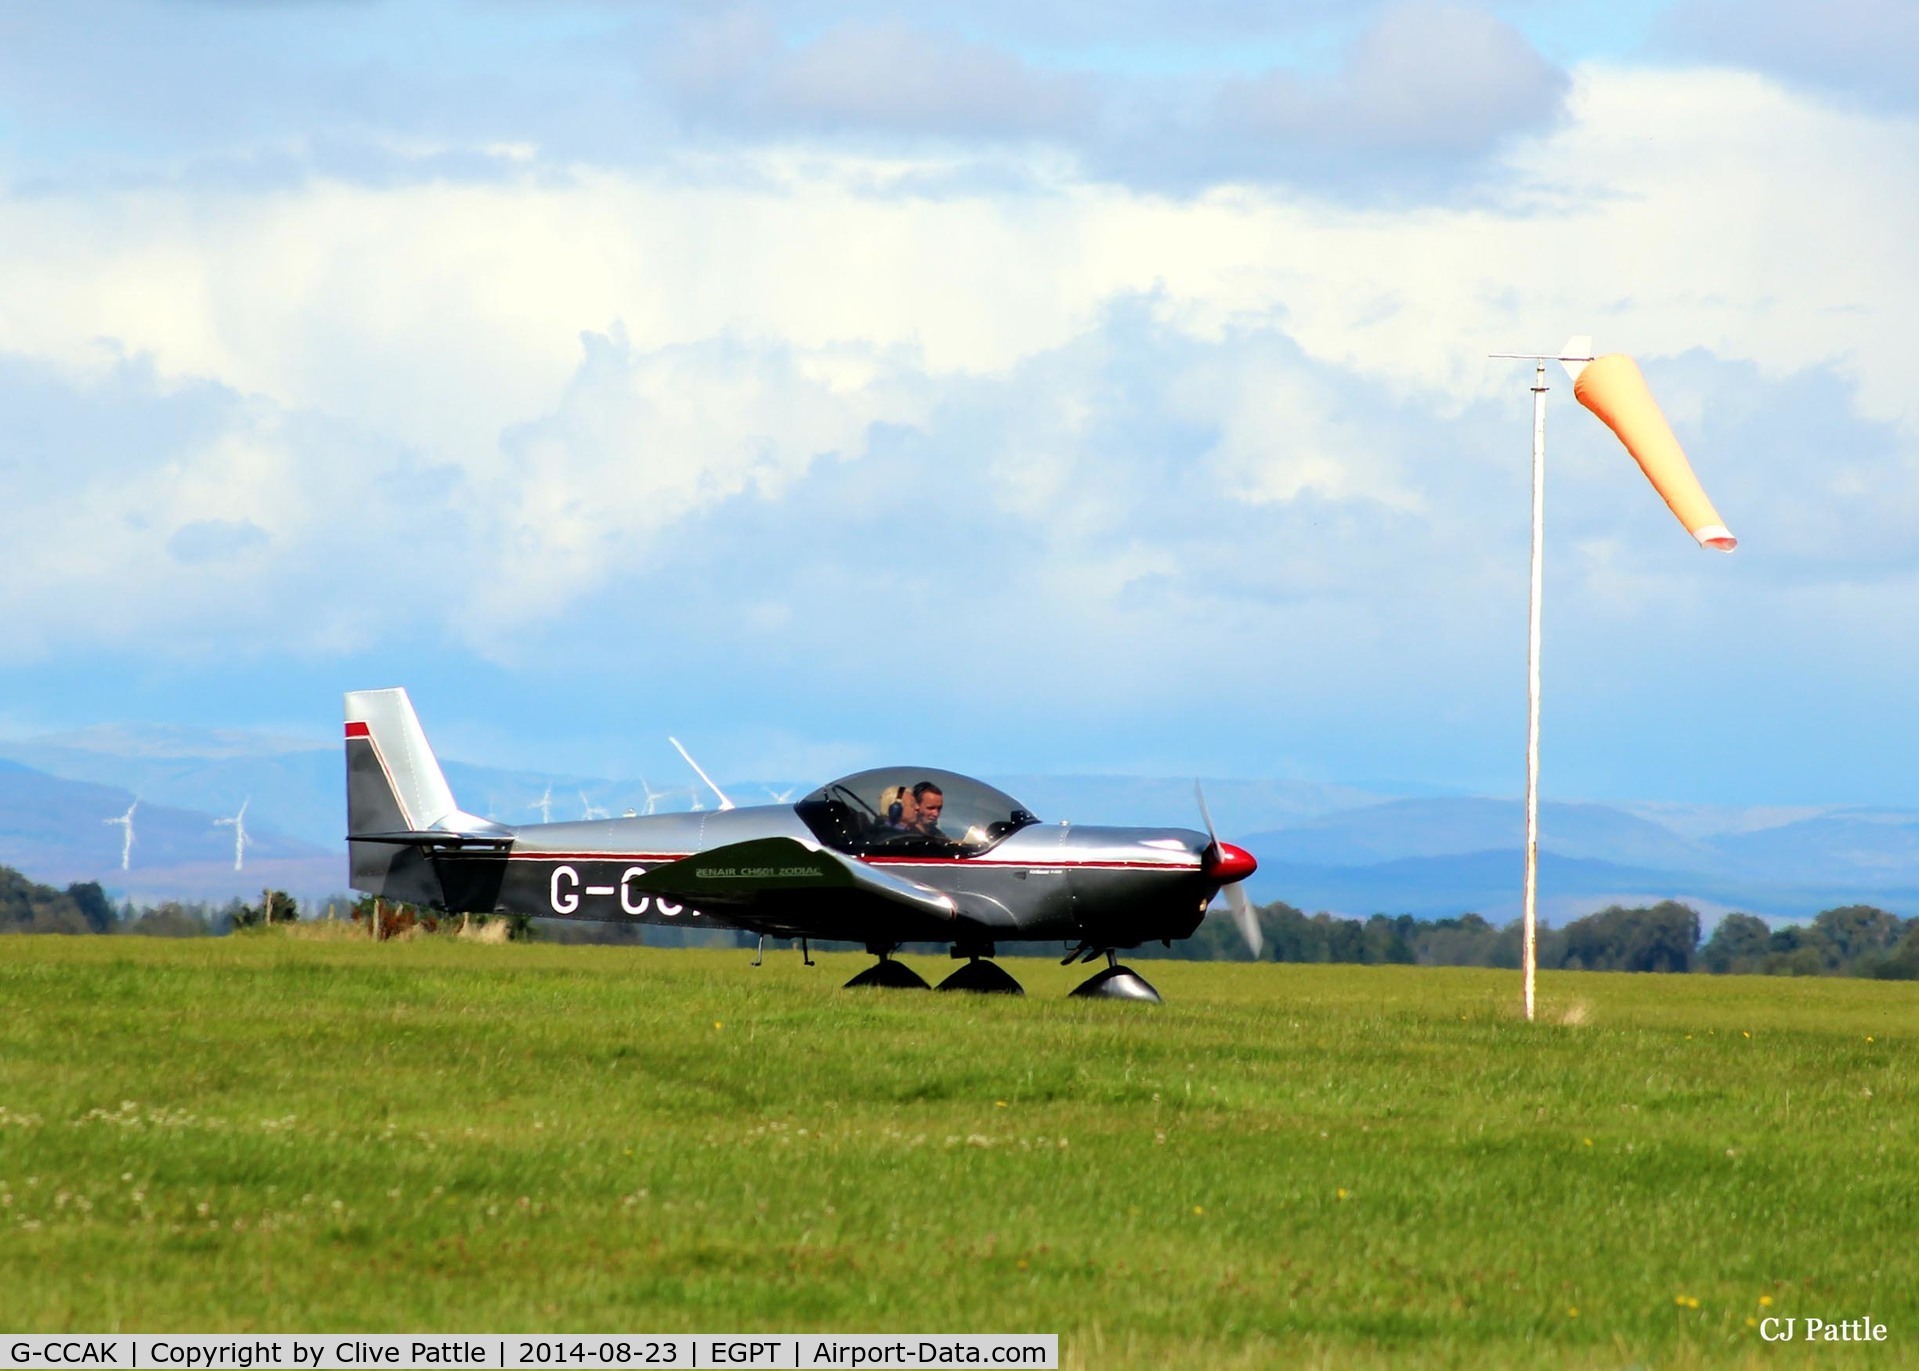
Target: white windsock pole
{"type": "Point", "coordinates": [1529, 941]}
{"type": "Point", "coordinates": [1577, 351]}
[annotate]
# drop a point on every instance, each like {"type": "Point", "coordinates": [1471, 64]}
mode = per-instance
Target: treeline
{"type": "Point", "coordinates": [1852, 940]}
{"type": "Point", "coordinates": [84, 907]}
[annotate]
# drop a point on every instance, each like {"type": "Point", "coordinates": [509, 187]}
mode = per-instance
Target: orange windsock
{"type": "Point", "coordinates": [1612, 388]}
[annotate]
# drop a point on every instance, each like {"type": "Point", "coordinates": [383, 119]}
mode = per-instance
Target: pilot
{"type": "Point", "coordinates": [928, 802]}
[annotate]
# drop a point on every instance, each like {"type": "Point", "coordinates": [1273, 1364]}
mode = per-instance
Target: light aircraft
{"type": "Point", "coordinates": [857, 860]}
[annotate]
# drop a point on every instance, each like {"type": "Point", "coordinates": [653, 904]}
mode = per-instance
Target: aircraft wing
{"type": "Point", "coordinates": [740, 871]}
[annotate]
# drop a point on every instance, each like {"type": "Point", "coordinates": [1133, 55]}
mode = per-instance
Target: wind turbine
{"type": "Point", "coordinates": [591, 811]}
{"type": "Point", "coordinates": [724, 802]}
{"type": "Point", "coordinates": [126, 847]}
{"type": "Point", "coordinates": [545, 805]}
{"type": "Point", "coordinates": [653, 796]}
{"type": "Point", "coordinates": [780, 797]}
{"type": "Point", "coordinates": [239, 822]}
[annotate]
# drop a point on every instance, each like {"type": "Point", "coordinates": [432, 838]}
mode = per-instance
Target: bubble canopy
{"type": "Point", "coordinates": [911, 811]}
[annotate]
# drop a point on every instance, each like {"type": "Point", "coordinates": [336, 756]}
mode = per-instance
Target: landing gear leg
{"type": "Point", "coordinates": [806, 953]}
{"type": "Point", "coordinates": [759, 953]}
{"type": "Point", "coordinates": [887, 973]}
{"type": "Point", "coordinates": [1117, 982]}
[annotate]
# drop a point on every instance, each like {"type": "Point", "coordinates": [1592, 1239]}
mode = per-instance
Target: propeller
{"type": "Point", "coordinates": [1232, 865]}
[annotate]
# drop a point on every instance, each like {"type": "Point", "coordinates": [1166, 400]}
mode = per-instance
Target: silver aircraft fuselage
{"type": "Point", "coordinates": [1113, 887]}
{"type": "Point", "coordinates": [839, 865]}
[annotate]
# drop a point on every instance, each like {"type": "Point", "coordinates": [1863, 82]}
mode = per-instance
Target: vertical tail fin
{"type": "Point", "coordinates": [393, 782]}
{"type": "Point", "coordinates": [406, 839]}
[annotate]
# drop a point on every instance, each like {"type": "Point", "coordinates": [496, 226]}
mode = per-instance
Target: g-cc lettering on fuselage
{"type": "Point", "coordinates": [563, 893]}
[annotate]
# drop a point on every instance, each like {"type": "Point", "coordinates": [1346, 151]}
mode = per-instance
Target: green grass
{"type": "Point", "coordinates": [1345, 1165]}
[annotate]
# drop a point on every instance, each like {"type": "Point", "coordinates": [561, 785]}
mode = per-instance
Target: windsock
{"type": "Point", "coordinates": [1612, 388]}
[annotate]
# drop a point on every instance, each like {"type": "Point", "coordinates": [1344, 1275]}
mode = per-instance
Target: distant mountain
{"type": "Point", "coordinates": [300, 788]}
{"type": "Point", "coordinates": [1488, 883]}
{"type": "Point", "coordinates": [1238, 806]}
{"type": "Point", "coordinates": [1873, 847]}
{"type": "Point", "coordinates": [297, 790]}
{"type": "Point", "coordinates": [55, 831]}
{"type": "Point", "coordinates": [1470, 858]}
{"type": "Point", "coordinates": [1345, 849]}
{"type": "Point", "coordinates": [1443, 827]}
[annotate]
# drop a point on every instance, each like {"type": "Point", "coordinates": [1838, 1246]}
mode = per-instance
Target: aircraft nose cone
{"type": "Point", "coordinates": [1227, 863]}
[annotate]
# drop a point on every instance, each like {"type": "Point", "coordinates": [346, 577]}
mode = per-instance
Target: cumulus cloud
{"type": "Point", "coordinates": [183, 520]}
{"type": "Point", "coordinates": [215, 540]}
{"type": "Point", "coordinates": [1423, 96]}
{"type": "Point", "coordinates": [1859, 51]}
{"type": "Point", "coordinates": [1079, 523]}
{"type": "Point", "coordinates": [1116, 456]}
{"type": "Point", "coordinates": [117, 92]}
{"type": "Point", "coordinates": [1112, 532]}
{"type": "Point", "coordinates": [881, 77]}
{"type": "Point", "coordinates": [640, 440]}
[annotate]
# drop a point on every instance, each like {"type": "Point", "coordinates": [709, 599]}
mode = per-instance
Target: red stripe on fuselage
{"type": "Point", "coordinates": [518, 856]}
{"type": "Point", "coordinates": [599, 856]}
{"type": "Point", "coordinates": [1114, 863]}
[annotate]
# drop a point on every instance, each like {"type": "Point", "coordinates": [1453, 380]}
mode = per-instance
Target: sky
{"type": "Point", "coordinates": [1072, 388]}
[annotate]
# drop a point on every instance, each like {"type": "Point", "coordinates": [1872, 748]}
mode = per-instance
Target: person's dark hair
{"type": "Point", "coordinates": [925, 788]}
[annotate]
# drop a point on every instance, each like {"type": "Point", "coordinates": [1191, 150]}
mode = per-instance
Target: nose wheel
{"type": "Point", "coordinates": [1116, 982]}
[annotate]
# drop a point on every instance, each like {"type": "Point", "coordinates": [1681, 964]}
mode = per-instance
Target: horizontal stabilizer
{"type": "Point", "coordinates": [740, 870]}
{"type": "Point", "coordinates": [437, 838]}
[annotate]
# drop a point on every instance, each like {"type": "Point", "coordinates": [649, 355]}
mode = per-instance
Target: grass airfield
{"type": "Point", "coordinates": [1323, 1164]}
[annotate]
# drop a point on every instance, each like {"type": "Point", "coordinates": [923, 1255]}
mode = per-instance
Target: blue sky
{"type": "Point", "coordinates": [1015, 388]}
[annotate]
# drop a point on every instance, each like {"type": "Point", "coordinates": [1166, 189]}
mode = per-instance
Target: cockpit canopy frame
{"type": "Point", "coordinates": [873, 813]}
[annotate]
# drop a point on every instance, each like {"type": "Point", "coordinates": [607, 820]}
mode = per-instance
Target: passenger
{"type": "Point", "coordinates": [899, 812]}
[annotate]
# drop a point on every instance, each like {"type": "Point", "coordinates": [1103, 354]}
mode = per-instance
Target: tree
{"type": "Point", "coordinates": [277, 903]}
{"type": "Point", "coordinates": [1659, 937]}
{"type": "Point", "coordinates": [28, 907]}
{"type": "Point", "coordinates": [93, 904]}
{"type": "Point", "coordinates": [1466, 941]}
{"type": "Point", "coordinates": [171, 920]}
{"type": "Point", "coordinates": [1903, 963]}
{"type": "Point", "coordinates": [1855, 932]}
{"type": "Point", "coordinates": [1795, 951]}
{"type": "Point", "coordinates": [1739, 945]}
